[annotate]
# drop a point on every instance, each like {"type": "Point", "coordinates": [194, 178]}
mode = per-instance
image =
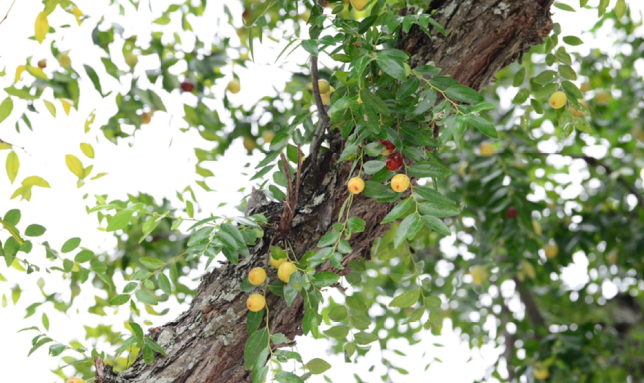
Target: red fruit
{"type": "Point", "coordinates": [389, 147]}
{"type": "Point", "coordinates": [511, 212]}
{"type": "Point", "coordinates": [394, 161]}
{"type": "Point", "coordinates": [187, 86]}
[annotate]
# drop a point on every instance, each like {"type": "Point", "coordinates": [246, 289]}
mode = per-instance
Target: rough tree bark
{"type": "Point", "coordinates": [206, 343]}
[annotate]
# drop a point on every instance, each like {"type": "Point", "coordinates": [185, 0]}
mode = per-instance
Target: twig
{"type": "Point", "coordinates": [510, 339]}
{"type": "Point", "coordinates": [532, 310]}
{"type": "Point", "coordinates": [324, 117]}
{"type": "Point", "coordinates": [299, 174]}
{"type": "Point", "coordinates": [10, 144]}
{"type": "Point", "coordinates": [7, 15]}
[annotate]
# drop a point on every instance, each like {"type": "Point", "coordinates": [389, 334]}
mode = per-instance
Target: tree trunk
{"type": "Point", "coordinates": [206, 343]}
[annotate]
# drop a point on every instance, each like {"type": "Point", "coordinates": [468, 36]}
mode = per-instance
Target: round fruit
{"type": "Point", "coordinates": [585, 87]}
{"type": "Point", "coordinates": [268, 136]}
{"type": "Point", "coordinates": [42, 64]}
{"type": "Point", "coordinates": [536, 226]}
{"type": "Point", "coordinates": [551, 251]}
{"type": "Point", "coordinates": [249, 144]}
{"type": "Point", "coordinates": [255, 302]}
{"type": "Point", "coordinates": [558, 99]}
{"type": "Point", "coordinates": [131, 60]}
{"type": "Point", "coordinates": [356, 185]}
{"type": "Point", "coordinates": [602, 98]}
{"type": "Point", "coordinates": [324, 86]}
{"type": "Point", "coordinates": [146, 118]}
{"type": "Point", "coordinates": [479, 275]}
{"type": "Point", "coordinates": [394, 161]}
{"type": "Point", "coordinates": [305, 15]}
{"type": "Point", "coordinates": [359, 4]}
{"type": "Point", "coordinates": [276, 263]}
{"type": "Point", "coordinates": [75, 380]}
{"type": "Point", "coordinates": [541, 373]}
{"type": "Point", "coordinates": [400, 183]}
{"type": "Point", "coordinates": [187, 86]}
{"type": "Point", "coordinates": [486, 150]}
{"type": "Point", "coordinates": [285, 271]}
{"type": "Point", "coordinates": [64, 60]}
{"type": "Point", "coordinates": [257, 276]}
{"type": "Point", "coordinates": [326, 97]}
{"type": "Point", "coordinates": [407, 69]}
{"type": "Point", "coordinates": [511, 212]}
{"type": "Point", "coordinates": [389, 147]}
{"type": "Point", "coordinates": [234, 86]}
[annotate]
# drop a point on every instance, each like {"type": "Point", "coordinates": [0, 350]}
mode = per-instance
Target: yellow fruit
{"type": "Point", "coordinates": [585, 87]}
{"type": "Point", "coordinates": [536, 226]}
{"type": "Point", "coordinates": [356, 185]}
{"type": "Point", "coordinates": [324, 86]}
{"type": "Point", "coordinates": [285, 271]}
{"type": "Point", "coordinates": [268, 136]}
{"type": "Point", "coordinates": [305, 15]}
{"type": "Point", "coordinates": [75, 380]}
{"type": "Point", "coordinates": [257, 276]}
{"type": "Point", "coordinates": [234, 86]}
{"type": "Point", "coordinates": [486, 150]}
{"type": "Point", "coordinates": [359, 4]}
{"type": "Point", "coordinates": [276, 263]}
{"type": "Point", "coordinates": [249, 144]}
{"type": "Point", "coordinates": [309, 86]}
{"type": "Point", "coordinates": [64, 60]}
{"type": "Point", "coordinates": [558, 99]}
{"type": "Point", "coordinates": [479, 275]}
{"type": "Point", "coordinates": [146, 118]}
{"type": "Point", "coordinates": [551, 251]}
{"type": "Point", "coordinates": [528, 269]}
{"type": "Point", "coordinates": [400, 183]}
{"type": "Point", "coordinates": [407, 69]}
{"type": "Point", "coordinates": [541, 373]}
{"type": "Point", "coordinates": [331, 90]}
{"type": "Point", "coordinates": [602, 98]}
{"type": "Point", "coordinates": [326, 97]}
{"type": "Point", "coordinates": [255, 302]}
{"type": "Point", "coordinates": [131, 60]}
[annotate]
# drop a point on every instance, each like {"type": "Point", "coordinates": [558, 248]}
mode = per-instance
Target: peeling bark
{"type": "Point", "coordinates": [206, 343]}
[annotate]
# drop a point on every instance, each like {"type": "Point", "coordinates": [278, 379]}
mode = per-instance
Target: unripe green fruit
{"type": "Point", "coordinates": [64, 60]}
{"type": "Point", "coordinates": [131, 60]}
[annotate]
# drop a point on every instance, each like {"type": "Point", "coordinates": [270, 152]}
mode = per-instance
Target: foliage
{"type": "Point", "coordinates": [511, 218]}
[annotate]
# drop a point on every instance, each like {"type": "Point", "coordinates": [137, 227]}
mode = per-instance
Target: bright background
{"type": "Point", "coordinates": [160, 161]}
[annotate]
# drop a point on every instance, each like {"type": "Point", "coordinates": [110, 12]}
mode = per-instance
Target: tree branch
{"type": "Point", "coordinates": [324, 117]}
{"type": "Point", "coordinates": [532, 310]}
{"type": "Point", "coordinates": [7, 14]}
{"type": "Point", "coordinates": [508, 354]}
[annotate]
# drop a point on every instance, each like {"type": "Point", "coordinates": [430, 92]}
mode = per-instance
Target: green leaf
{"type": "Point", "coordinates": [50, 107]}
{"type": "Point", "coordinates": [288, 377]}
{"type": "Point", "coordinates": [372, 167]}
{"type": "Point", "coordinates": [35, 230]}
{"type": "Point", "coordinates": [356, 225]}
{"type": "Point", "coordinates": [255, 344]}
{"type": "Point", "coordinates": [75, 166]}
{"type": "Point", "coordinates": [365, 338]}
{"type": "Point", "coordinates": [279, 338]}
{"type": "Point", "coordinates": [406, 299]}
{"type": "Point", "coordinates": [567, 72]}
{"type": "Point", "coordinates": [146, 297]}
{"type": "Point", "coordinates": [120, 220]}
{"type": "Point", "coordinates": [83, 256]}
{"type": "Point", "coordinates": [337, 332]}
{"type": "Point", "coordinates": [403, 229]}
{"type": "Point", "coordinates": [437, 209]}
{"type": "Point", "coordinates": [572, 40]}
{"type": "Point", "coordinates": [152, 263]}
{"type": "Point", "coordinates": [253, 320]}
{"type": "Point", "coordinates": [329, 239]}
{"type": "Point", "coordinates": [154, 346]}
{"type": "Point", "coordinates": [464, 93]}
{"type": "Point", "coordinates": [564, 7]}
{"type": "Point", "coordinates": [483, 125]}
{"type": "Point", "coordinates": [40, 342]}
{"type": "Point", "coordinates": [70, 245]}
{"type": "Point", "coordinates": [546, 77]}
{"type": "Point", "coordinates": [398, 211]}
{"type": "Point", "coordinates": [45, 321]}
{"type": "Point", "coordinates": [164, 284]}
{"type": "Point", "coordinates": [436, 224]}
{"type": "Point", "coordinates": [391, 65]}
{"type": "Point", "coordinates": [120, 299]}
{"type": "Point", "coordinates": [5, 108]}
{"type": "Point", "coordinates": [374, 102]}
{"type": "Point", "coordinates": [325, 279]}
{"type": "Point", "coordinates": [433, 303]}
{"type": "Point", "coordinates": [428, 170]}
{"type": "Point", "coordinates": [338, 313]}
{"type": "Point", "coordinates": [12, 165]}
{"type": "Point", "coordinates": [519, 77]}
{"type": "Point", "coordinates": [355, 303]}
{"type": "Point", "coordinates": [94, 78]}
{"type": "Point", "coordinates": [317, 366]}
{"type": "Point", "coordinates": [87, 149]}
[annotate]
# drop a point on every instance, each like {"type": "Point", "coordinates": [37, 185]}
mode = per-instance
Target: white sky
{"type": "Point", "coordinates": [154, 166]}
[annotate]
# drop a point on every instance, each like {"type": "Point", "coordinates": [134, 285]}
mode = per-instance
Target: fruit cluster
{"type": "Point", "coordinates": [257, 276]}
{"type": "Point", "coordinates": [393, 163]}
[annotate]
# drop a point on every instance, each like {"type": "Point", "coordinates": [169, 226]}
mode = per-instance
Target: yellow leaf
{"type": "Point", "coordinates": [13, 164]}
{"type": "Point", "coordinates": [77, 13]}
{"type": "Point", "coordinates": [66, 106]}
{"type": "Point", "coordinates": [35, 181]}
{"type": "Point", "coordinates": [19, 70]}
{"type": "Point", "coordinates": [51, 107]}
{"type": "Point", "coordinates": [90, 120]}
{"type": "Point", "coordinates": [18, 266]}
{"type": "Point", "coordinates": [36, 72]}
{"type": "Point", "coordinates": [99, 175]}
{"type": "Point", "coordinates": [87, 149]}
{"type": "Point", "coordinates": [42, 27]}
{"type": "Point", "coordinates": [88, 171]}
{"type": "Point", "coordinates": [4, 146]}
{"type": "Point", "coordinates": [75, 165]}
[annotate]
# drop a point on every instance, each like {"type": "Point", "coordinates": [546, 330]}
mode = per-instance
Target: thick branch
{"type": "Point", "coordinates": [532, 309]}
{"type": "Point", "coordinates": [324, 117]}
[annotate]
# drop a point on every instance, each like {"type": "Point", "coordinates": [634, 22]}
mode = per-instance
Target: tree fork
{"type": "Point", "coordinates": [206, 342]}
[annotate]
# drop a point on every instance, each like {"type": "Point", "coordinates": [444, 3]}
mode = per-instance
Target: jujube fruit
{"type": "Point", "coordinates": [400, 183]}
{"type": "Point", "coordinates": [558, 99]}
{"type": "Point", "coordinates": [394, 161]}
{"type": "Point", "coordinates": [257, 276]}
{"type": "Point", "coordinates": [356, 185]}
{"type": "Point", "coordinates": [256, 302]}
{"type": "Point", "coordinates": [234, 86]}
{"type": "Point", "coordinates": [187, 86]}
{"type": "Point", "coordinates": [285, 271]}
{"type": "Point", "coordinates": [389, 147]}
